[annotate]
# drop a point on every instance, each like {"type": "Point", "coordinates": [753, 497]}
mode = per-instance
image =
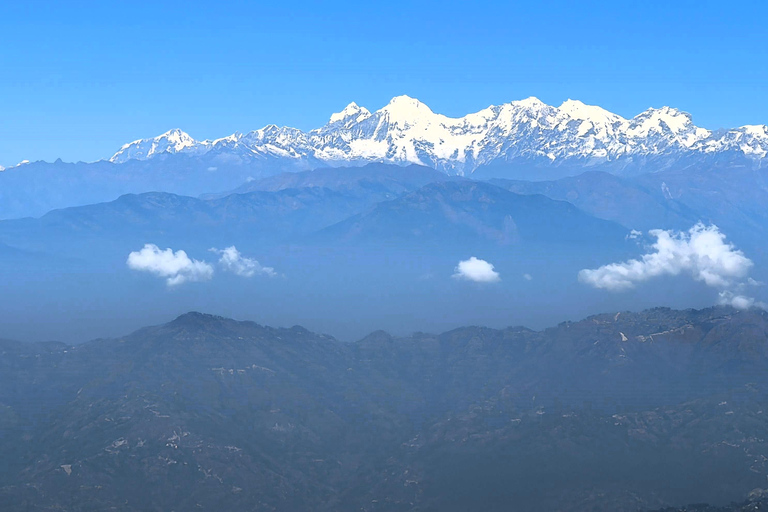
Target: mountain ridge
{"type": "Point", "coordinates": [407, 131]}
{"type": "Point", "coordinates": [520, 140]}
{"type": "Point", "coordinates": [206, 412]}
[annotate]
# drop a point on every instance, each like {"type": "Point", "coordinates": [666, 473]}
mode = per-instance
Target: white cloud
{"type": "Point", "coordinates": [527, 277]}
{"type": "Point", "coordinates": [737, 301]}
{"type": "Point", "coordinates": [233, 261]}
{"type": "Point", "coordinates": [701, 252]}
{"type": "Point", "coordinates": [479, 271]}
{"type": "Point", "coordinates": [176, 267]}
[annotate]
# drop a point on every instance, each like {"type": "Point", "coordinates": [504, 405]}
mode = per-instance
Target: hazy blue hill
{"type": "Point", "coordinates": [668, 356]}
{"type": "Point", "coordinates": [29, 260]}
{"type": "Point", "coordinates": [455, 212]}
{"type": "Point", "coordinates": [33, 189]}
{"type": "Point", "coordinates": [334, 240]}
{"type": "Point", "coordinates": [340, 236]}
{"type": "Point", "coordinates": [36, 188]}
{"type": "Point", "coordinates": [539, 167]}
{"type": "Point", "coordinates": [7, 252]}
{"type": "Point", "coordinates": [267, 217]}
{"type": "Point", "coordinates": [285, 208]}
{"type": "Point", "coordinates": [385, 181]}
{"type": "Point", "coordinates": [329, 247]}
{"type": "Point", "coordinates": [732, 197]}
{"type": "Point", "coordinates": [611, 197]}
{"type": "Point", "coordinates": [207, 412]}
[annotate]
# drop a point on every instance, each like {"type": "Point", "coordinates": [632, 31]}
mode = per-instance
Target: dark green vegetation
{"type": "Point", "coordinates": [618, 412]}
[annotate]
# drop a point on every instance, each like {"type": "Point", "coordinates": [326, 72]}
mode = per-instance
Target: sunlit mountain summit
{"type": "Point", "coordinates": [520, 140]}
{"type": "Point", "coordinates": [525, 132]}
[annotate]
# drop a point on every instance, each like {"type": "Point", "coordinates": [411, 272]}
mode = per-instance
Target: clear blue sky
{"type": "Point", "coordinates": [81, 78]}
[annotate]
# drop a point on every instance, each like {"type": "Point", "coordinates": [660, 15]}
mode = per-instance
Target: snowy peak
{"type": "Point", "coordinates": [406, 106]}
{"type": "Point", "coordinates": [179, 138]}
{"type": "Point", "coordinates": [172, 141]}
{"type": "Point", "coordinates": [404, 112]}
{"type": "Point", "coordinates": [751, 140]}
{"type": "Point", "coordinates": [351, 113]}
{"type": "Point", "coordinates": [664, 119]}
{"type": "Point", "coordinates": [528, 132]}
{"type": "Point", "coordinates": [575, 109]}
{"type": "Point", "coordinates": [667, 124]}
{"type": "Point", "coordinates": [532, 103]}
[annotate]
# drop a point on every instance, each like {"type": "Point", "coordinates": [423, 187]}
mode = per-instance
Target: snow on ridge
{"type": "Point", "coordinates": [350, 111]}
{"type": "Point", "coordinates": [408, 131]}
{"type": "Point", "coordinates": [531, 102]}
{"type": "Point", "coordinates": [23, 162]}
{"type": "Point", "coordinates": [172, 141]}
{"type": "Point", "coordinates": [407, 108]}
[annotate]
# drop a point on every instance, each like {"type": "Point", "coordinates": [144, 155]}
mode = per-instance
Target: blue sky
{"type": "Point", "coordinates": [81, 78]}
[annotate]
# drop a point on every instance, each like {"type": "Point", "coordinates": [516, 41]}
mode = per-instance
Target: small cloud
{"type": "Point", "coordinates": [233, 261]}
{"type": "Point", "coordinates": [634, 234]}
{"type": "Point", "coordinates": [212, 169]}
{"type": "Point", "coordinates": [527, 277]}
{"type": "Point", "coordinates": [479, 271]}
{"type": "Point", "coordinates": [737, 301]}
{"type": "Point", "coordinates": [176, 267]}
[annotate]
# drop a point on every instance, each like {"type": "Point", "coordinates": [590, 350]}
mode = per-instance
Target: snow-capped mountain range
{"type": "Point", "coordinates": [527, 132]}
